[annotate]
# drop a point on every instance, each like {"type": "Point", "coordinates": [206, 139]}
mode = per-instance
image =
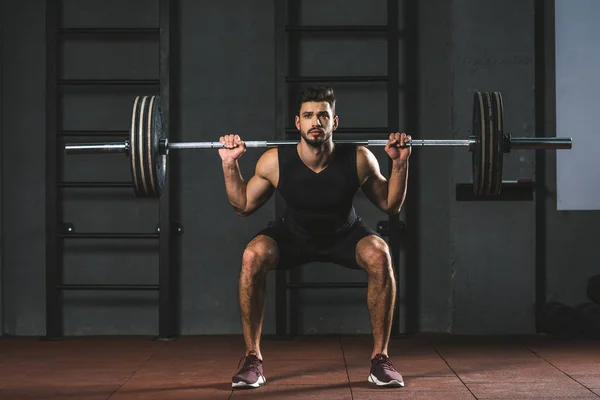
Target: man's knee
{"type": "Point", "coordinates": [260, 255]}
{"type": "Point", "coordinates": [373, 255]}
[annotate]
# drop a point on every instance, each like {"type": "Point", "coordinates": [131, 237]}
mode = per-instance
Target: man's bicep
{"type": "Point", "coordinates": [374, 184]}
{"type": "Point", "coordinates": [261, 186]}
{"type": "Point", "coordinates": [258, 191]}
{"type": "Point", "coordinates": [375, 189]}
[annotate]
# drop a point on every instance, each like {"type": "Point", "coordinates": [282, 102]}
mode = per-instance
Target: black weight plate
{"type": "Point", "coordinates": [148, 167]}
{"type": "Point", "coordinates": [134, 148]}
{"type": "Point", "coordinates": [158, 160]}
{"type": "Point", "coordinates": [478, 158]}
{"type": "Point", "coordinates": [488, 151]}
{"type": "Point", "coordinates": [497, 143]}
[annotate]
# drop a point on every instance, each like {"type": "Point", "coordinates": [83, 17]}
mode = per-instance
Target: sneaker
{"type": "Point", "coordinates": [251, 373]}
{"type": "Point", "coordinates": [383, 372]}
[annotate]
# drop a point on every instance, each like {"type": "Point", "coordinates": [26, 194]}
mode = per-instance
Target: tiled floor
{"type": "Point", "coordinates": [434, 367]}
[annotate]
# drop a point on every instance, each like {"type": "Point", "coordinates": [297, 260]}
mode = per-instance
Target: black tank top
{"type": "Point", "coordinates": [318, 203]}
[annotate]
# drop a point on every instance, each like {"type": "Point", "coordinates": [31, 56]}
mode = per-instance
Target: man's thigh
{"type": "Point", "coordinates": [342, 251]}
{"type": "Point", "coordinates": [292, 248]}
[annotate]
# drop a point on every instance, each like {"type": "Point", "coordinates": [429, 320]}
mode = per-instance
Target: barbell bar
{"type": "Point", "coordinates": [123, 146]}
{"type": "Point", "coordinates": [148, 145]}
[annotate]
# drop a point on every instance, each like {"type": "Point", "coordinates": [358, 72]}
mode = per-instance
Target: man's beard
{"type": "Point", "coordinates": [315, 142]}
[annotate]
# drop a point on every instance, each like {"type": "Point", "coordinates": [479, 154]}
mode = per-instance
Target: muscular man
{"type": "Point", "coordinates": [318, 180]}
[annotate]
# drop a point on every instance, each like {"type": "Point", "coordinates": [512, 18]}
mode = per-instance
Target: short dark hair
{"type": "Point", "coordinates": [316, 93]}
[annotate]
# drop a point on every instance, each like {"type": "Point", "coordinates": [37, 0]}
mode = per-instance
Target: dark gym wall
{"type": "Point", "coordinates": [227, 86]}
{"type": "Point", "coordinates": [476, 259]}
{"type": "Point", "coordinates": [23, 172]}
{"type": "Point", "coordinates": [436, 181]}
{"type": "Point", "coordinates": [466, 270]}
{"type": "Point", "coordinates": [493, 50]}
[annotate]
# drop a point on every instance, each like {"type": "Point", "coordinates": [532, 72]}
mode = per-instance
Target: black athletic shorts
{"type": "Point", "coordinates": [296, 250]}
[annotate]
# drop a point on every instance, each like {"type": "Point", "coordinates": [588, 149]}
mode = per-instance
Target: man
{"type": "Point", "coordinates": [318, 180]}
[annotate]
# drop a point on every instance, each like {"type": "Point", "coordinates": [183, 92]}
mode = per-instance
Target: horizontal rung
{"type": "Point", "coordinates": [336, 28]}
{"type": "Point", "coordinates": [109, 31]}
{"type": "Point", "coordinates": [107, 133]}
{"type": "Point", "coordinates": [95, 184]}
{"type": "Point", "coordinates": [357, 79]}
{"type": "Point", "coordinates": [77, 235]}
{"type": "Point", "coordinates": [106, 287]}
{"type": "Point", "coordinates": [326, 285]}
{"type": "Point", "coordinates": [109, 82]}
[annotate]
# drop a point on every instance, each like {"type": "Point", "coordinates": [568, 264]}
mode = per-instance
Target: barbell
{"type": "Point", "coordinates": [148, 145]}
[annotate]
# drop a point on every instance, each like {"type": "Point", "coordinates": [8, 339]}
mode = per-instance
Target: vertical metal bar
{"type": "Point", "coordinates": [540, 42]}
{"type": "Point", "coordinates": [393, 114]}
{"type": "Point", "coordinates": [411, 233]}
{"type": "Point", "coordinates": [168, 293]}
{"type": "Point", "coordinates": [2, 303]}
{"type": "Point", "coordinates": [281, 303]}
{"type": "Point", "coordinates": [54, 245]}
{"type": "Point", "coordinates": [293, 39]}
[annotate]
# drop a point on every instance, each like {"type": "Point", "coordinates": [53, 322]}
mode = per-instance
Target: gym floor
{"type": "Point", "coordinates": [434, 367]}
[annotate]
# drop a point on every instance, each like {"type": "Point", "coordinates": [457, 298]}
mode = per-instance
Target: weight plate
{"type": "Point", "coordinates": [134, 147]}
{"type": "Point", "coordinates": [158, 133]}
{"type": "Point", "coordinates": [148, 166]}
{"type": "Point", "coordinates": [488, 151]}
{"type": "Point", "coordinates": [497, 140]}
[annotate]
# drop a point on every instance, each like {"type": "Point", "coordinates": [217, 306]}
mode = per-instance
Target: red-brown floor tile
{"type": "Point", "coordinates": [416, 395]}
{"type": "Point", "coordinates": [576, 364]}
{"type": "Point", "coordinates": [296, 392]}
{"type": "Point", "coordinates": [46, 389]}
{"type": "Point", "coordinates": [69, 380]}
{"type": "Point", "coordinates": [305, 372]}
{"type": "Point", "coordinates": [516, 371]}
{"type": "Point", "coordinates": [591, 380]}
{"type": "Point", "coordinates": [415, 387]}
{"type": "Point", "coordinates": [592, 396]}
{"type": "Point", "coordinates": [171, 394]}
{"type": "Point", "coordinates": [213, 372]}
{"type": "Point", "coordinates": [179, 384]}
{"type": "Point", "coordinates": [309, 367]}
{"type": "Point", "coordinates": [542, 390]}
{"type": "Point", "coordinates": [12, 369]}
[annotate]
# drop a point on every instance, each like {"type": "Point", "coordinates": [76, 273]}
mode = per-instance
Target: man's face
{"type": "Point", "coordinates": [316, 122]}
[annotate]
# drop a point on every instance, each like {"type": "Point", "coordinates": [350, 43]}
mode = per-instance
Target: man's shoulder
{"type": "Point", "coordinates": [268, 162]}
{"type": "Point", "coordinates": [271, 152]}
{"type": "Point", "coordinates": [366, 162]}
{"type": "Point", "coordinates": [363, 154]}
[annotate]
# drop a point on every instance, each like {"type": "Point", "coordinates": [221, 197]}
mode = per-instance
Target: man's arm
{"type": "Point", "coordinates": [387, 194]}
{"type": "Point", "coordinates": [247, 197]}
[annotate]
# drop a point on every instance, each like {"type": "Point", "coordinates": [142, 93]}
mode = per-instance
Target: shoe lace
{"type": "Point", "coordinates": [387, 363]}
{"type": "Point", "coordinates": [251, 363]}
